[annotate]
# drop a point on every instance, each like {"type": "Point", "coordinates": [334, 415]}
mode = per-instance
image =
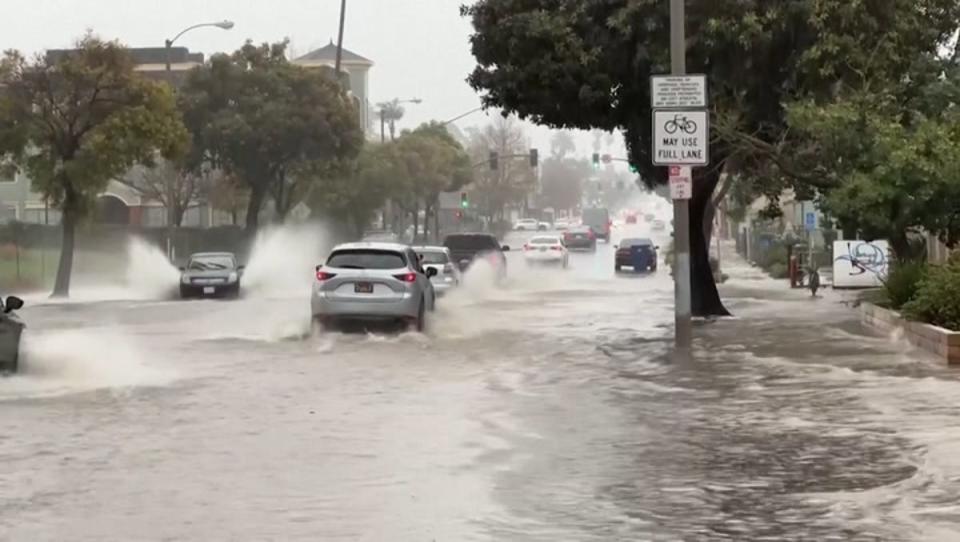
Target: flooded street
{"type": "Point", "coordinates": [549, 409]}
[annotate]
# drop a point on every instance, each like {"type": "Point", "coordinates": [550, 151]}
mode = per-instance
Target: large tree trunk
{"type": "Point", "coordinates": [61, 287]}
{"type": "Point", "coordinates": [705, 297]}
{"type": "Point", "coordinates": [253, 211]}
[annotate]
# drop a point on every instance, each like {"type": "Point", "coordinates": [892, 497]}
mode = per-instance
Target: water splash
{"type": "Point", "coordinates": [66, 362]}
{"type": "Point", "coordinates": [282, 261]}
{"type": "Point", "coordinates": [150, 275]}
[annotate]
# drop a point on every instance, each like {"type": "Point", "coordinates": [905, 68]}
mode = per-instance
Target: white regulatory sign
{"type": "Point", "coordinates": [681, 138]}
{"type": "Point", "coordinates": [681, 182]}
{"type": "Point", "coordinates": [678, 91]}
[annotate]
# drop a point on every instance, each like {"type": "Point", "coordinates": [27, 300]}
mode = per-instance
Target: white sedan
{"type": "Point", "coordinates": [547, 250]}
{"type": "Point", "coordinates": [527, 224]}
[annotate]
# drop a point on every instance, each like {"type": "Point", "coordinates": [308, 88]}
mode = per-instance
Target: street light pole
{"type": "Point", "coordinates": [681, 207]}
{"type": "Point", "coordinates": [343, 11]}
{"type": "Point", "coordinates": [168, 47]}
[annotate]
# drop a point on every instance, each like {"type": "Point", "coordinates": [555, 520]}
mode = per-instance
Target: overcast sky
{"type": "Point", "coordinates": [420, 47]}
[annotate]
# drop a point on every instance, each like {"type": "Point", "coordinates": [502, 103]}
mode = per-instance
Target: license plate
{"type": "Point", "coordinates": [363, 288]}
{"type": "Point", "coordinates": [543, 249]}
{"type": "Point", "coordinates": [209, 289]}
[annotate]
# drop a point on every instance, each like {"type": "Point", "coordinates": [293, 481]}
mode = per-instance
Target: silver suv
{"type": "Point", "coordinates": [373, 282]}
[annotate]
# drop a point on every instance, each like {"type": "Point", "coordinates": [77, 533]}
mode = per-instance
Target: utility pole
{"type": "Point", "coordinates": [681, 207]}
{"type": "Point", "coordinates": [343, 10]}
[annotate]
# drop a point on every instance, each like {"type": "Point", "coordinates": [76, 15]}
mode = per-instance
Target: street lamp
{"type": "Point", "coordinates": [460, 116]}
{"type": "Point", "coordinates": [225, 25]}
{"type": "Point", "coordinates": [394, 102]}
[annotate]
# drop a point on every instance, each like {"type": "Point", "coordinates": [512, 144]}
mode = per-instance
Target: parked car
{"type": "Point", "coordinates": [11, 329]}
{"type": "Point", "coordinates": [373, 282]}
{"type": "Point", "coordinates": [562, 224]}
{"type": "Point", "coordinates": [580, 237]}
{"type": "Point", "coordinates": [546, 250]}
{"type": "Point", "coordinates": [211, 274]}
{"type": "Point", "coordinates": [448, 275]}
{"type": "Point", "coordinates": [598, 218]}
{"type": "Point", "coordinates": [637, 254]}
{"type": "Point", "coordinates": [467, 247]}
{"type": "Point", "coordinates": [528, 224]}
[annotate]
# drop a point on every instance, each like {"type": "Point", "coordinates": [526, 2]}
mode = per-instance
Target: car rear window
{"type": "Point", "coordinates": [636, 243]}
{"type": "Point", "coordinates": [434, 257]}
{"type": "Point", "coordinates": [366, 259]}
{"type": "Point", "coordinates": [545, 241]}
{"type": "Point", "coordinates": [471, 242]}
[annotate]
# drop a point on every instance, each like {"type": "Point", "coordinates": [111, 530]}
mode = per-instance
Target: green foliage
{"type": "Point", "coordinates": [74, 120]}
{"type": "Point", "coordinates": [279, 128]}
{"type": "Point", "coordinates": [937, 300]}
{"type": "Point", "coordinates": [778, 270]}
{"type": "Point", "coordinates": [903, 281]}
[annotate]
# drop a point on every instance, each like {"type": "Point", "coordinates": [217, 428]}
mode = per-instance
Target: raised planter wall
{"type": "Point", "coordinates": [936, 340]}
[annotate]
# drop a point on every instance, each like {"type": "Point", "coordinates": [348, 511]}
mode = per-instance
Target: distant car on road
{"type": "Point", "coordinates": [211, 274]}
{"type": "Point", "coordinates": [562, 224]}
{"type": "Point", "coordinates": [637, 254]}
{"type": "Point", "coordinates": [448, 274]}
{"type": "Point", "coordinates": [381, 236]}
{"type": "Point", "coordinates": [373, 282]}
{"type": "Point", "coordinates": [467, 247]}
{"type": "Point", "coordinates": [546, 250]}
{"type": "Point", "coordinates": [631, 218]}
{"type": "Point", "coordinates": [598, 218]}
{"type": "Point", "coordinates": [580, 237]}
{"type": "Point", "coordinates": [659, 225]}
{"type": "Point", "coordinates": [529, 224]}
{"type": "Point", "coordinates": [11, 329]}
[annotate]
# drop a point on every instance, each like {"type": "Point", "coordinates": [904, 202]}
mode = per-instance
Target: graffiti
{"type": "Point", "coordinates": [864, 257]}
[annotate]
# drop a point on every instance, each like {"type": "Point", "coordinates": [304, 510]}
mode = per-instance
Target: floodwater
{"type": "Point", "coordinates": [549, 409]}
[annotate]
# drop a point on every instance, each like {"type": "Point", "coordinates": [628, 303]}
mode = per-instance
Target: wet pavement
{"type": "Point", "coordinates": [551, 408]}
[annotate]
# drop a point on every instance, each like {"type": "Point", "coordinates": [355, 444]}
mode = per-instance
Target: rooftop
{"type": "Point", "coordinates": [329, 53]}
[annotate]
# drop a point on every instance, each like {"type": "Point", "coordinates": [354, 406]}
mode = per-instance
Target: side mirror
{"type": "Point", "coordinates": [505, 248]}
{"type": "Point", "coordinates": [182, 269]}
{"type": "Point", "coordinates": [615, 247]}
{"type": "Point", "coordinates": [657, 247]}
{"type": "Point", "coordinates": [241, 267]}
{"type": "Point", "coordinates": [12, 303]}
{"type": "Point", "coordinates": [431, 272]}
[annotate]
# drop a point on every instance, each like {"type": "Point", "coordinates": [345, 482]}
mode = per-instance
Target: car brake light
{"type": "Point", "coordinates": [555, 247]}
{"type": "Point", "coordinates": [323, 275]}
{"type": "Point", "coordinates": [406, 277]}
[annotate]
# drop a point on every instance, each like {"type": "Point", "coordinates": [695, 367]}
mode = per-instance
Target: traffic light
{"type": "Point", "coordinates": [633, 168]}
{"type": "Point", "coordinates": [596, 160]}
{"type": "Point", "coordinates": [464, 202]}
{"type": "Point", "coordinates": [534, 157]}
{"type": "Point", "coordinates": [494, 160]}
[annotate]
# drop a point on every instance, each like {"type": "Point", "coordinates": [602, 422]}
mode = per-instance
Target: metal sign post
{"type": "Point", "coordinates": [680, 140]}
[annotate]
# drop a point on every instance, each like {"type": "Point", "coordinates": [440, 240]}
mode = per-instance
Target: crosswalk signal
{"type": "Point", "coordinates": [464, 202]}
{"type": "Point", "coordinates": [596, 160]}
{"type": "Point", "coordinates": [494, 160]}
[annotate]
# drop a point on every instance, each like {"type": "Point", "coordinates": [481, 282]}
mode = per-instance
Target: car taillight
{"type": "Point", "coordinates": [406, 277]}
{"type": "Point", "coordinates": [592, 235]}
{"type": "Point", "coordinates": [323, 275]}
{"type": "Point", "coordinates": [555, 247]}
{"type": "Point", "coordinates": [527, 247]}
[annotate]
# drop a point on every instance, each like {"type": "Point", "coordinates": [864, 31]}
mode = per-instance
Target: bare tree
{"type": "Point", "coordinates": [169, 183]}
{"type": "Point", "coordinates": [562, 144]}
{"type": "Point", "coordinates": [514, 179]}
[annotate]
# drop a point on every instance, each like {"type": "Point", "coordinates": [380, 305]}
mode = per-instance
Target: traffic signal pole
{"type": "Point", "coordinates": [681, 208]}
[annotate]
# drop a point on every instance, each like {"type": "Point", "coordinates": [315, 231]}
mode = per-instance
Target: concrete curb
{"type": "Point", "coordinates": [941, 342]}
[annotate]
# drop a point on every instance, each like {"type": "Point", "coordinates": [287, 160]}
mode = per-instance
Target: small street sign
{"type": "Point", "coordinates": [681, 138]}
{"type": "Point", "coordinates": [681, 182]}
{"type": "Point", "coordinates": [678, 91]}
{"type": "Point", "coordinates": [810, 221]}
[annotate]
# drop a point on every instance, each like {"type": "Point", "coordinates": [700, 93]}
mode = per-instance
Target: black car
{"type": "Point", "coordinates": [11, 328]}
{"type": "Point", "coordinates": [638, 254]}
{"type": "Point", "coordinates": [467, 247]}
{"type": "Point", "coordinates": [580, 237]}
{"type": "Point", "coordinates": [211, 274]}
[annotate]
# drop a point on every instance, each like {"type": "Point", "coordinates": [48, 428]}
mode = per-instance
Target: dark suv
{"type": "Point", "coordinates": [638, 254]}
{"type": "Point", "coordinates": [466, 247]}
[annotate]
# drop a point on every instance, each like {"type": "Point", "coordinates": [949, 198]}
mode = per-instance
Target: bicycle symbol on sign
{"type": "Point", "coordinates": [681, 123]}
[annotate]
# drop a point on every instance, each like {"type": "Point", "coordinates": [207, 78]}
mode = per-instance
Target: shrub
{"type": "Point", "coordinates": [903, 281]}
{"type": "Point", "coordinates": [937, 300]}
{"type": "Point", "coordinates": [778, 271]}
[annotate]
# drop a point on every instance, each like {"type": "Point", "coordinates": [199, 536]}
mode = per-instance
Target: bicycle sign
{"type": "Point", "coordinates": [680, 138]}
